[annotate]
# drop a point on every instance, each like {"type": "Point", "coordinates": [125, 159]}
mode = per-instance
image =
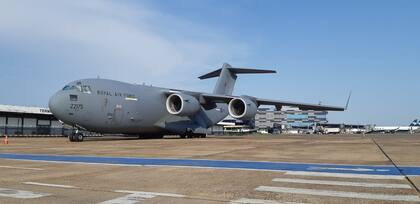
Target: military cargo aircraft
{"type": "Point", "coordinates": [113, 107]}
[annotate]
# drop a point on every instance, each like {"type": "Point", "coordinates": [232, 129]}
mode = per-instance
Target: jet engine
{"type": "Point", "coordinates": [242, 108]}
{"type": "Point", "coordinates": [182, 104]}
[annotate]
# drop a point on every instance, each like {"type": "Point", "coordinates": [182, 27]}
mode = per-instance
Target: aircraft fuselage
{"type": "Point", "coordinates": [108, 106]}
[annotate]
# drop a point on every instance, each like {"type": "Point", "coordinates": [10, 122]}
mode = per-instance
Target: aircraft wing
{"type": "Point", "coordinates": [215, 98]}
{"type": "Point", "coordinates": [301, 106]}
{"type": "Point", "coordinates": [277, 103]}
{"type": "Point", "coordinates": [206, 98]}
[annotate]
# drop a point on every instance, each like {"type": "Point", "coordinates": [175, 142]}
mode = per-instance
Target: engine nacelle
{"type": "Point", "coordinates": [182, 104]}
{"type": "Point", "coordinates": [242, 108]}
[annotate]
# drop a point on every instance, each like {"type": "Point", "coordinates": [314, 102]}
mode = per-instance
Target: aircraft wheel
{"type": "Point", "coordinates": [203, 136]}
{"type": "Point", "coordinates": [183, 136]}
{"type": "Point", "coordinates": [79, 137]}
{"type": "Point", "coordinates": [72, 138]}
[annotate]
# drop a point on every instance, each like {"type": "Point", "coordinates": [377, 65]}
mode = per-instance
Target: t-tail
{"type": "Point", "coordinates": [227, 77]}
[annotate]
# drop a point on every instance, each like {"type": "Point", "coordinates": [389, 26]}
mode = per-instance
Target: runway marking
{"type": "Point", "coordinates": [343, 183]}
{"type": "Point", "coordinates": [137, 196]}
{"type": "Point", "coordinates": [346, 169]}
{"type": "Point", "coordinates": [23, 168]}
{"type": "Point", "coordinates": [48, 185]}
{"type": "Point", "coordinates": [345, 175]}
{"type": "Point", "coordinates": [128, 199]}
{"type": "Point", "coordinates": [257, 201]}
{"type": "Point", "coordinates": [341, 194]}
{"type": "Point", "coordinates": [12, 193]}
{"type": "Point", "coordinates": [152, 193]}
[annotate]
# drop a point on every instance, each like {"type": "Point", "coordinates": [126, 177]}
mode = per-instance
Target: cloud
{"type": "Point", "coordinates": [66, 40]}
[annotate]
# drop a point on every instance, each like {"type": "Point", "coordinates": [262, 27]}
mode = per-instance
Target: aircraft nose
{"type": "Point", "coordinates": [56, 104]}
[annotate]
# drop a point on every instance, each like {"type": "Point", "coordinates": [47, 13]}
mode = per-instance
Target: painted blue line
{"type": "Point", "coordinates": [410, 171]}
{"type": "Point", "coordinates": [250, 165]}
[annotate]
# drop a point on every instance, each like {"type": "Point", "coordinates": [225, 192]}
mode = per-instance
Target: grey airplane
{"type": "Point", "coordinates": [114, 107]}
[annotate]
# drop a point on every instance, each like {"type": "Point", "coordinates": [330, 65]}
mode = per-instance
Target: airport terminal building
{"type": "Point", "coordinates": [272, 121]}
{"type": "Point", "coordinates": [292, 118]}
{"type": "Point", "coordinates": [30, 121]}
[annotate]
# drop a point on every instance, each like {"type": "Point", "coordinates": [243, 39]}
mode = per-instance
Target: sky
{"type": "Point", "coordinates": [321, 50]}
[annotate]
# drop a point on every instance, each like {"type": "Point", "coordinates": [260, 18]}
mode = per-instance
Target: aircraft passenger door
{"type": "Point", "coordinates": [114, 112]}
{"type": "Point", "coordinates": [106, 108]}
{"type": "Point", "coordinates": [118, 114]}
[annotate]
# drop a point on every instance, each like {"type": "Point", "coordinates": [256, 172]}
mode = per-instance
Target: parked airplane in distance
{"type": "Point", "coordinates": [414, 126]}
{"type": "Point", "coordinates": [113, 107]}
{"type": "Point", "coordinates": [415, 123]}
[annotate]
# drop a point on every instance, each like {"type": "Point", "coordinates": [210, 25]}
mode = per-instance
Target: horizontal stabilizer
{"type": "Point", "coordinates": [237, 71]}
{"type": "Point", "coordinates": [227, 77]}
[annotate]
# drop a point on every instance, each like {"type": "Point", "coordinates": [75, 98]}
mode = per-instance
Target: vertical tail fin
{"type": "Point", "coordinates": [227, 77]}
{"type": "Point", "coordinates": [415, 123]}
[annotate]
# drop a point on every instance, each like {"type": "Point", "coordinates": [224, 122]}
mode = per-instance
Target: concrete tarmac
{"type": "Point", "coordinates": [330, 169]}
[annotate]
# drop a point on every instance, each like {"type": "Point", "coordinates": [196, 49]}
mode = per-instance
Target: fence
{"type": "Point", "coordinates": [40, 131]}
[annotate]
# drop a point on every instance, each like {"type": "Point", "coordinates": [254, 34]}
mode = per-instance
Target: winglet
{"type": "Point", "coordinates": [348, 101]}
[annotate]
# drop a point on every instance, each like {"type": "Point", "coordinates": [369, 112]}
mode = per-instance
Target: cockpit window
{"type": "Point", "coordinates": [67, 87]}
{"type": "Point", "coordinates": [86, 89]}
{"type": "Point", "coordinates": [78, 87]}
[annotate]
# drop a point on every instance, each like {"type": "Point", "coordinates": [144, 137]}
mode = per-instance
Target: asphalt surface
{"type": "Point", "coordinates": [249, 169]}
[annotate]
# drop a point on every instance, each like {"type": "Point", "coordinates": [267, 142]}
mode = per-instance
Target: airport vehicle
{"type": "Point", "coordinates": [329, 130]}
{"type": "Point", "coordinates": [357, 131]}
{"type": "Point", "coordinates": [108, 106]}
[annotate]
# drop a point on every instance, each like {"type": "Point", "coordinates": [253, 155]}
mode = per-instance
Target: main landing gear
{"type": "Point", "coordinates": [191, 135]}
{"type": "Point", "coordinates": [151, 136]}
{"type": "Point", "coordinates": [76, 137]}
